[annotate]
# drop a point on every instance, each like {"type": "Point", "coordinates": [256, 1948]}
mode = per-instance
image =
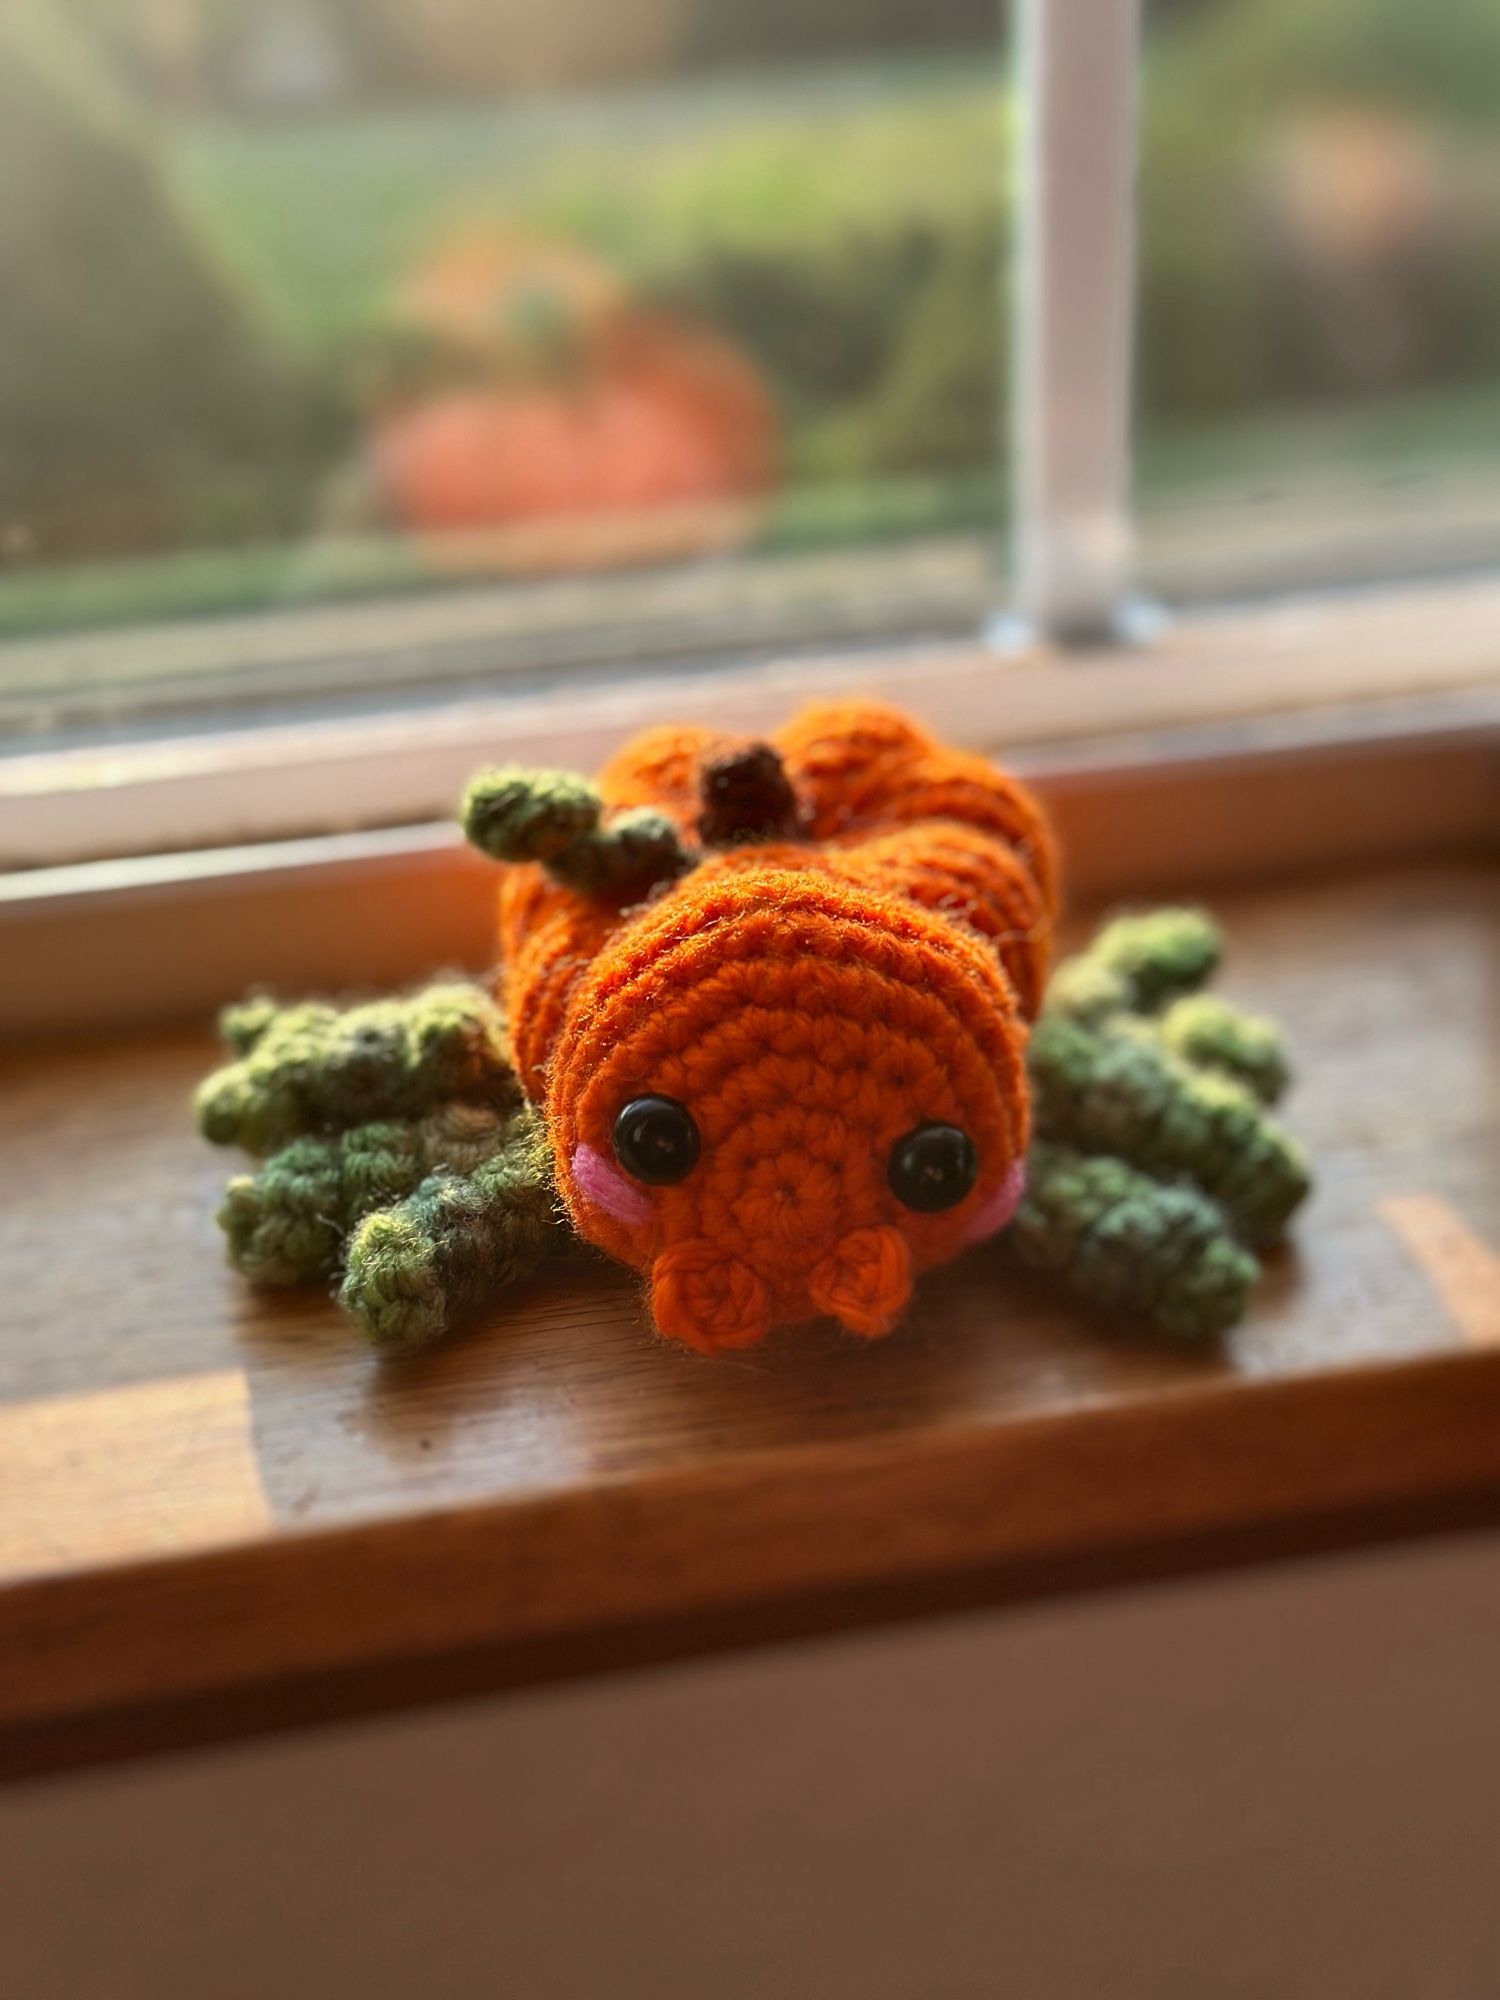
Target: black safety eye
{"type": "Point", "coordinates": [932, 1168]}
{"type": "Point", "coordinates": [655, 1140]}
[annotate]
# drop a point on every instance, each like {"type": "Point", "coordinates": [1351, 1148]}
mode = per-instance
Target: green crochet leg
{"type": "Point", "coordinates": [417, 1268]}
{"type": "Point", "coordinates": [401, 1122]}
{"type": "Point", "coordinates": [1204, 1030]}
{"type": "Point", "coordinates": [1151, 967]}
{"type": "Point", "coordinates": [1125, 1241]}
{"type": "Point", "coordinates": [1137, 965]}
{"type": "Point", "coordinates": [1155, 1172]}
{"type": "Point", "coordinates": [553, 817]}
{"type": "Point", "coordinates": [1118, 1089]}
{"type": "Point", "coordinates": [287, 1223]}
{"type": "Point", "coordinates": [318, 1069]}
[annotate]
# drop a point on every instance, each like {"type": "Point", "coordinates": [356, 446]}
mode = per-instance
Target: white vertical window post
{"type": "Point", "coordinates": [1074, 314]}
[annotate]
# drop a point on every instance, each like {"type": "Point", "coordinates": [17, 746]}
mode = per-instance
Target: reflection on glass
{"type": "Point", "coordinates": [307, 297]}
{"type": "Point", "coordinates": [1320, 290]}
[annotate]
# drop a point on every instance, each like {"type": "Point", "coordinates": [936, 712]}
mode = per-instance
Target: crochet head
{"type": "Point", "coordinates": [782, 1092]}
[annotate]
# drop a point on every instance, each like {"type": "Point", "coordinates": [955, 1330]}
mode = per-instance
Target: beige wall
{"type": "Point", "coordinates": [1282, 1784]}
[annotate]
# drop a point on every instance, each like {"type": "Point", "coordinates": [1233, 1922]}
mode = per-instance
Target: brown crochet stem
{"type": "Point", "coordinates": [747, 796]}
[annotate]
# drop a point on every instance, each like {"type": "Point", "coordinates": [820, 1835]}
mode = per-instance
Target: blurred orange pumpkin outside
{"type": "Point", "coordinates": [545, 420]}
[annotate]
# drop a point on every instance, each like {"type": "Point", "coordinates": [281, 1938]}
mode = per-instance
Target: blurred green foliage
{"type": "Point", "coordinates": [140, 403]}
{"type": "Point", "coordinates": [1311, 168]}
{"type": "Point", "coordinates": [1239, 61]}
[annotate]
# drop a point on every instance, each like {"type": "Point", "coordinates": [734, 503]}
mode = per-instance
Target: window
{"type": "Point", "coordinates": [365, 360]}
{"type": "Point", "coordinates": [649, 320]}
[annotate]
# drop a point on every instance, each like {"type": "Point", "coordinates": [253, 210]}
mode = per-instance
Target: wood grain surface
{"type": "Point", "coordinates": [209, 1495]}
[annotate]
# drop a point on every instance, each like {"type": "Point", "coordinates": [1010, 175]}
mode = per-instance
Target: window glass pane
{"type": "Point", "coordinates": [331, 299]}
{"type": "Point", "coordinates": [1319, 358]}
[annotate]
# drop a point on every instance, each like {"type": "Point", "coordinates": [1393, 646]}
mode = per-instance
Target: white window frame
{"type": "Point", "coordinates": [1075, 315]}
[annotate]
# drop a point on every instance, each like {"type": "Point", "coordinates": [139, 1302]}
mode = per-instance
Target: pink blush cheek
{"type": "Point", "coordinates": [598, 1182]}
{"type": "Point", "coordinates": [1000, 1207]}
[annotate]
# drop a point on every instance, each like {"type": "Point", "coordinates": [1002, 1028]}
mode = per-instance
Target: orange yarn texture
{"type": "Point", "coordinates": [810, 1003]}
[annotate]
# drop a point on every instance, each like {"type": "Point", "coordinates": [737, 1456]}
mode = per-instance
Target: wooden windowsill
{"type": "Point", "coordinates": [217, 1512]}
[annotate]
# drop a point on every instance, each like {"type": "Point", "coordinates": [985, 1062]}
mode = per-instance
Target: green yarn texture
{"type": "Point", "coordinates": [417, 1269]}
{"type": "Point", "coordinates": [401, 1158]}
{"type": "Point", "coordinates": [1156, 1172]}
{"type": "Point", "coordinates": [287, 1223]}
{"type": "Point", "coordinates": [1131, 1243]}
{"type": "Point", "coordinates": [557, 818]}
{"type": "Point", "coordinates": [316, 1068]}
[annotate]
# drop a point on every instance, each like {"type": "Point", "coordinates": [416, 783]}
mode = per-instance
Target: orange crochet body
{"type": "Point", "coordinates": [809, 1002]}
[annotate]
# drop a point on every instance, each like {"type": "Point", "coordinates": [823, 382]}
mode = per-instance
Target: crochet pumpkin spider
{"type": "Point", "coordinates": [764, 1037]}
